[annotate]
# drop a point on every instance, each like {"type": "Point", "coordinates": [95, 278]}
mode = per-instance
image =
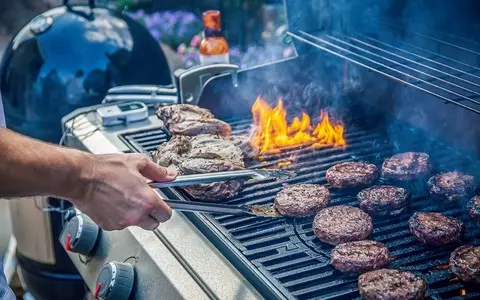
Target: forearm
{"type": "Point", "coordinates": [29, 167]}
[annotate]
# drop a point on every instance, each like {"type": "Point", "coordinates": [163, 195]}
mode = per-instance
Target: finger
{"type": "Point", "coordinates": [149, 223]}
{"type": "Point", "coordinates": [157, 173]}
{"type": "Point", "coordinates": [161, 211]}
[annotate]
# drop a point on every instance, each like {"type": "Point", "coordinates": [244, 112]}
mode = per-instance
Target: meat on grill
{"type": "Point", "coordinates": [435, 228]}
{"type": "Point", "coordinates": [465, 263]}
{"type": "Point", "coordinates": [250, 153]}
{"type": "Point", "coordinates": [360, 256]}
{"type": "Point", "coordinates": [390, 284]}
{"type": "Point", "coordinates": [191, 120]}
{"type": "Point", "coordinates": [473, 207]}
{"type": "Point", "coordinates": [451, 186]}
{"type": "Point", "coordinates": [202, 154]}
{"type": "Point", "coordinates": [299, 200]}
{"type": "Point", "coordinates": [340, 224]}
{"type": "Point", "coordinates": [351, 174]}
{"type": "Point", "coordinates": [211, 191]}
{"type": "Point", "coordinates": [407, 166]}
{"type": "Point", "coordinates": [383, 200]}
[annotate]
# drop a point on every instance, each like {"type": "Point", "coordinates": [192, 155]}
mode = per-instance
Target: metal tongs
{"type": "Point", "coordinates": [206, 207]}
{"type": "Point", "coordinates": [184, 180]}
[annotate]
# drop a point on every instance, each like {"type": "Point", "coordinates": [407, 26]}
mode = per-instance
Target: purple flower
{"type": "Point", "coordinates": [156, 34]}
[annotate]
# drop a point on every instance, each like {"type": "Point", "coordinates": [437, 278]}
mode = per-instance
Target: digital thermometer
{"type": "Point", "coordinates": [122, 113]}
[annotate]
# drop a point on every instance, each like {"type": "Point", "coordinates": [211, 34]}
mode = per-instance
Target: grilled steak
{"type": "Point", "coordinates": [351, 174]}
{"type": "Point", "coordinates": [451, 186]}
{"type": "Point", "coordinates": [212, 191]}
{"type": "Point", "coordinates": [250, 153]}
{"type": "Point", "coordinates": [389, 284]}
{"type": "Point", "coordinates": [473, 207]}
{"type": "Point", "coordinates": [407, 166]}
{"type": "Point", "coordinates": [299, 200]}
{"type": "Point", "coordinates": [340, 224]}
{"type": "Point", "coordinates": [383, 200]}
{"type": "Point", "coordinates": [202, 154]}
{"type": "Point", "coordinates": [435, 229]}
{"type": "Point", "coordinates": [465, 263]}
{"type": "Point", "coordinates": [186, 119]}
{"type": "Point", "coordinates": [360, 256]}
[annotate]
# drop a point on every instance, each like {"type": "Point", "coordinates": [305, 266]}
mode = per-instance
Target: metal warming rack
{"type": "Point", "coordinates": [451, 80]}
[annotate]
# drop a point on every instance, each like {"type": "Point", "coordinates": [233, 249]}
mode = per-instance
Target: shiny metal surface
{"type": "Point", "coordinates": [69, 57]}
{"type": "Point", "coordinates": [175, 261]}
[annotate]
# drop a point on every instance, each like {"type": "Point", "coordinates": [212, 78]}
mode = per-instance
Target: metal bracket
{"type": "Point", "coordinates": [190, 82]}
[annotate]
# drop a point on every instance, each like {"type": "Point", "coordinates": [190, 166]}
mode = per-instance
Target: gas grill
{"type": "Point", "coordinates": [397, 88]}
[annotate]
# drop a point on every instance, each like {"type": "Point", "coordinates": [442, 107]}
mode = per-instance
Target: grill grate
{"type": "Point", "coordinates": [290, 257]}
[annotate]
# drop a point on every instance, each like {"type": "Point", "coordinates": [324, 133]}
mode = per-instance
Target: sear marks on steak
{"type": "Point", "coordinates": [300, 200]}
{"type": "Point", "coordinates": [250, 153]}
{"type": "Point", "coordinates": [340, 224]}
{"type": "Point", "coordinates": [465, 263]}
{"type": "Point", "coordinates": [360, 256]}
{"type": "Point", "coordinates": [383, 200]}
{"type": "Point", "coordinates": [351, 174]}
{"type": "Point", "coordinates": [172, 152]}
{"type": "Point", "coordinates": [435, 228]}
{"type": "Point", "coordinates": [407, 166]}
{"type": "Point", "coordinates": [211, 191]}
{"type": "Point", "coordinates": [452, 186]}
{"type": "Point", "coordinates": [191, 120]}
{"type": "Point", "coordinates": [202, 154]}
{"type": "Point", "coordinates": [473, 207]}
{"type": "Point", "coordinates": [390, 284]}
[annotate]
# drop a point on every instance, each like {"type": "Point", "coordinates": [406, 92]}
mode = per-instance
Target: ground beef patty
{"type": "Point", "coordinates": [299, 200]}
{"type": "Point", "coordinates": [383, 200]}
{"type": "Point", "coordinates": [389, 284]}
{"type": "Point", "coordinates": [360, 256]}
{"type": "Point", "coordinates": [465, 263]}
{"type": "Point", "coordinates": [473, 207]}
{"type": "Point", "coordinates": [435, 228]}
{"type": "Point", "coordinates": [407, 166]}
{"type": "Point", "coordinates": [340, 224]}
{"type": "Point", "coordinates": [351, 174]}
{"type": "Point", "coordinates": [451, 186]}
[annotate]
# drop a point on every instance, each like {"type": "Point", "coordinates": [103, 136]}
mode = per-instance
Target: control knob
{"type": "Point", "coordinates": [115, 281]}
{"type": "Point", "coordinates": [79, 235]}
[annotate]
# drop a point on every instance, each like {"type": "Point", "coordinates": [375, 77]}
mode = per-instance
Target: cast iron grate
{"type": "Point", "coordinates": [287, 253]}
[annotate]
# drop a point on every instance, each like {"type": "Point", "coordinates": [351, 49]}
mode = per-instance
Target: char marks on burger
{"type": "Point", "coordinates": [473, 207]}
{"type": "Point", "coordinates": [452, 186]}
{"type": "Point", "coordinates": [351, 174]}
{"type": "Point", "coordinates": [360, 256]}
{"type": "Point", "coordinates": [383, 200]}
{"type": "Point", "coordinates": [407, 166]}
{"type": "Point", "coordinates": [435, 228]}
{"type": "Point", "coordinates": [300, 200]}
{"type": "Point", "coordinates": [465, 263]}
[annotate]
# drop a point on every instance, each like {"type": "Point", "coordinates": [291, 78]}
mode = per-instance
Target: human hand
{"type": "Point", "coordinates": [116, 194]}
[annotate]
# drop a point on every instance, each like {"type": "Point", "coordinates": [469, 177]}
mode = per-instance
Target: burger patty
{"type": "Point", "coordinates": [435, 228]}
{"type": "Point", "coordinates": [360, 256]}
{"type": "Point", "coordinates": [299, 200]}
{"type": "Point", "coordinates": [465, 263]}
{"type": "Point", "coordinates": [351, 174]}
{"type": "Point", "coordinates": [473, 207]}
{"type": "Point", "coordinates": [389, 284]}
{"type": "Point", "coordinates": [383, 200]}
{"type": "Point", "coordinates": [340, 224]}
{"type": "Point", "coordinates": [407, 166]}
{"type": "Point", "coordinates": [452, 186]}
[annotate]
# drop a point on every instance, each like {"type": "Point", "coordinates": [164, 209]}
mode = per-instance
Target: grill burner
{"type": "Point", "coordinates": [285, 254]}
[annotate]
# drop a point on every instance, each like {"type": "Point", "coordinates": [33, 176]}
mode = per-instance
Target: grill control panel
{"type": "Point", "coordinates": [80, 235]}
{"type": "Point", "coordinates": [115, 281]}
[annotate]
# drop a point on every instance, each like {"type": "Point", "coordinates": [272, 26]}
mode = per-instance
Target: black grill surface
{"type": "Point", "coordinates": [289, 257]}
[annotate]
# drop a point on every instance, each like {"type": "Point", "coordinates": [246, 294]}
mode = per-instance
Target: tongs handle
{"type": "Point", "coordinates": [184, 180]}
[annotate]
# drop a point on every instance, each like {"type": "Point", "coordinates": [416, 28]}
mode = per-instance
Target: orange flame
{"type": "Point", "coordinates": [272, 132]}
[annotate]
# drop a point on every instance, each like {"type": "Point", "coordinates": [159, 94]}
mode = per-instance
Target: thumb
{"type": "Point", "coordinates": [155, 172]}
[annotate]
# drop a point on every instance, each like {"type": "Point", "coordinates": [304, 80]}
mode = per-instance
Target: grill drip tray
{"type": "Point", "coordinates": [284, 259]}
